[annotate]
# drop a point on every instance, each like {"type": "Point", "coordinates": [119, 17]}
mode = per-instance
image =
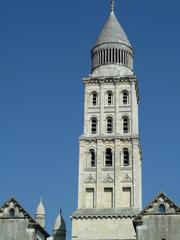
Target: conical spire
{"type": "Point", "coordinates": [59, 223]}
{"type": "Point", "coordinates": [59, 232]}
{"type": "Point", "coordinates": [112, 32]}
{"type": "Point", "coordinates": [40, 208]}
{"type": "Point", "coordinates": [112, 53]}
{"type": "Point", "coordinates": [40, 213]}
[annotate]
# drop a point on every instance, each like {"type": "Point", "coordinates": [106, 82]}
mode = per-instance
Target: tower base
{"type": "Point", "coordinates": [105, 226]}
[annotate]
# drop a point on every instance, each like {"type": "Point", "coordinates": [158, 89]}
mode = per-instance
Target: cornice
{"type": "Point", "coordinates": [99, 80]}
{"type": "Point", "coordinates": [81, 217]}
{"type": "Point", "coordinates": [108, 138]}
{"type": "Point", "coordinates": [123, 79]}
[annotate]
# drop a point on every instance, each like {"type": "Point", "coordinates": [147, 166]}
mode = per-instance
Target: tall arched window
{"type": "Point", "coordinates": [108, 160]}
{"type": "Point", "coordinates": [125, 157]}
{"type": "Point", "coordinates": [92, 158]}
{"type": "Point", "coordinates": [125, 97]}
{"type": "Point", "coordinates": [94, 98]}
{"type": "Point", "coordinates": [125, 124]}
{"type": "Point", "coordinates": [109, 98]}
{"type": "Point", "coordinates": [93, 125]}
{"type": "Point", "coordinates": [109, 122]}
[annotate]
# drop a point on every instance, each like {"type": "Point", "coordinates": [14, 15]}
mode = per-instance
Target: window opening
{"type": "Point", "coordinates": [110, 55]}
{"type": "Point", "coordinates": [126, 156]}
{"type": "Point", "coordinates": [107, 52]}
{"type": "Point", "coordinates": [125, 124]}
{"type": "Point", "coordinates": [98, 58]}
{"type": "Point", "coordinates": [94, 99]}
{"type": "Point", "coordinates": [110, 95]}
{"type": "Point", "coordinates": [11, 212]}
{"type": "Point", "coordinates": [108, 162]}
{"type": "Point", "coordinates": [162, 208]}
{"type": "Point", "coordinates": [94, 126]}
{"type": "Point", "coordinates": [104, 59]}
{"type": "Point", "coordinates": [122, 52]}
{"type": "Point", "coordinates": [93, 158]}
{"type": "Point", "coordinates": [116, 56]}
{"type": "Point", "coordinates": [109, 125]}
{"type": "Point", "coordinates": [125, 97]}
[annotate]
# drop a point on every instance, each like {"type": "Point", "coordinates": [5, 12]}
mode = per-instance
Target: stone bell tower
{"type": "Point", "coordinates": [110, 193]}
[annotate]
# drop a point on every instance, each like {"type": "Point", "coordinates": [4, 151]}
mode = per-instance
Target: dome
{"type": "Point", "coordinates": [59, 223]}
{"type": "Point", "coordinates": [40, 209]}
{"type": "Point", "coordinates": [112, 32]}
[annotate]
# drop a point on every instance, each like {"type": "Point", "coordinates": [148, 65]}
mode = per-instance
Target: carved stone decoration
{"type": "Point", "coordinates": [90, 179]}
{"type": "Point", "coordinates": [169, 206]}
{"type": "Point", "coordinates": [126, 179]}
{"type": "Point", "coordinates": [108, 179]}
{"type": "Point", "coordinates": [154, 207]}
{"type": "Point", "coordinates": [19, 212]}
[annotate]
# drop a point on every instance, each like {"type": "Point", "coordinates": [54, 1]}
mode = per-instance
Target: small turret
{"type": "Point", "coordinates": [59, 231]}
{"type": "Point", "coordinates": [40, 214]}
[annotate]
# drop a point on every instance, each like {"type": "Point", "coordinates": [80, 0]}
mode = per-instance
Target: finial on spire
{"type": "Point", "coordinates": [112, 5]}
{"type": "Point", "coordinates": [60, 211]}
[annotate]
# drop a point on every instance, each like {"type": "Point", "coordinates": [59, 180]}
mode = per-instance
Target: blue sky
{"type": "Point", "coordinates": [44, 53]}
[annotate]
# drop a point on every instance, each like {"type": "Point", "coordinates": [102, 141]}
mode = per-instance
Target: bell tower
{"type": "Point", "coordinates": [110, 194]}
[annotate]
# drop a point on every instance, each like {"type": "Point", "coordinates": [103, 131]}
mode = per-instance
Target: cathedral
{"type": "Point", "coordinates": [110, 159]}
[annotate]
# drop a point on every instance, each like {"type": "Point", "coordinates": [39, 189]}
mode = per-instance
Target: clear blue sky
{"type": "Point", "coordinates": [44, 53]}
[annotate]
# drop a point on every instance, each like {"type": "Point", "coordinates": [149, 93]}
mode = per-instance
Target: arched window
{"type": "Point", "coordinates": [162, 208]}
{"type": "Point", "coordinates": [93, 125]}
{"type": "Point", "coordinates": [125, 97]}
{"type": "Point", "coordinates": [125, 157]}
{"type": "Point", "coordinates": [94, 98]}
{"type": "Point", "coordinates": [11, 212]}
{"type": "Point", "coordinates": [125, 124]}
{"type": "Point", "coordinates": [109, 121]}
{"type": "Point", "coordinates": [93, 158]}
{"type": "Point", "coordinates": [108, 159]}
{"type": "Point", "coordinates": [109, 98]}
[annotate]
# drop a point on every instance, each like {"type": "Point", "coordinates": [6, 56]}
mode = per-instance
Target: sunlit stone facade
{"type": "Point", "coordinates": [110, 187]}
{"type": "Point", "coordinates": [109, 194]}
